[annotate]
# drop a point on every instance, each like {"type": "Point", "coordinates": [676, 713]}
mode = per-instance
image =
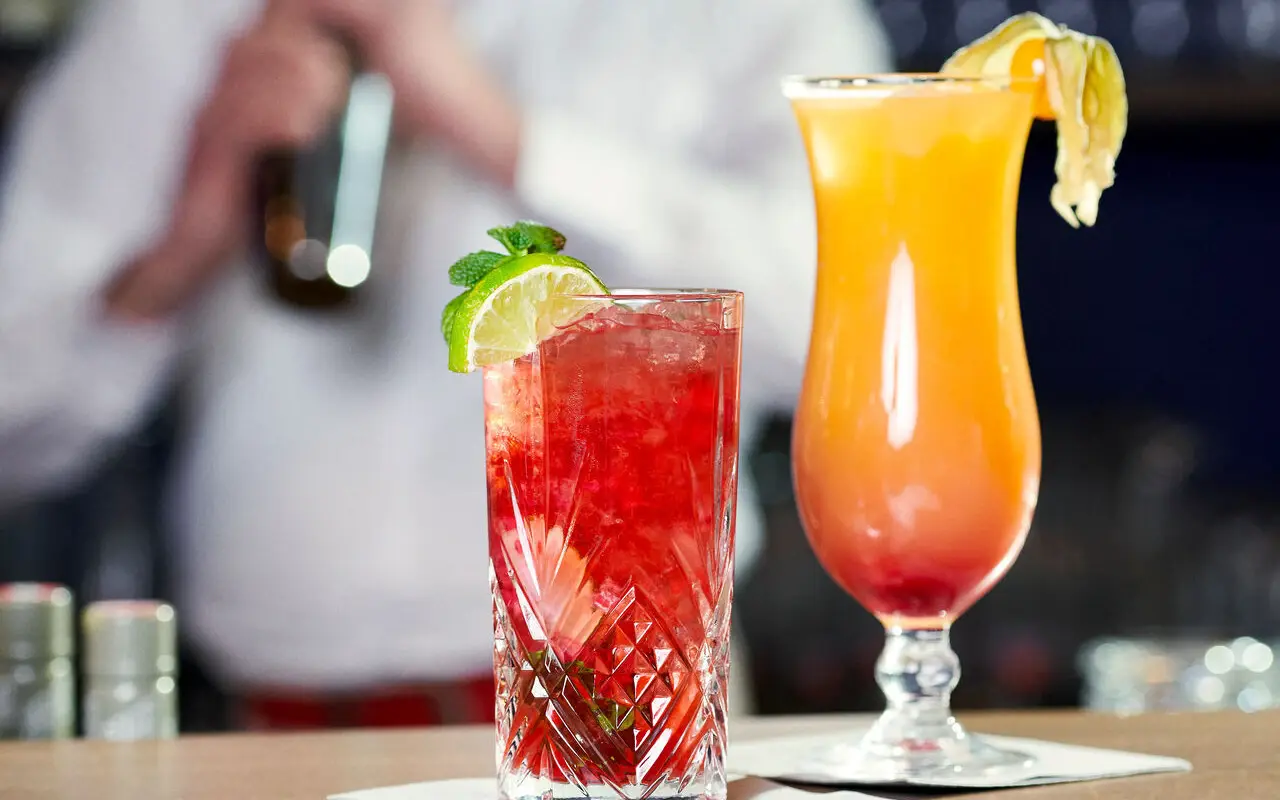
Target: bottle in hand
{"type": "Point", "coordinates": [317, 207]}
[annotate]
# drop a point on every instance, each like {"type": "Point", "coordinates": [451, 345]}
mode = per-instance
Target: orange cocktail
{"type": "Point", "coordinates": [917, 447]}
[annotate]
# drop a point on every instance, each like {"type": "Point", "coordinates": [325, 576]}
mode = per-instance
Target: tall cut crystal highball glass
{"type": "Point", "coordinates": [612, 470]}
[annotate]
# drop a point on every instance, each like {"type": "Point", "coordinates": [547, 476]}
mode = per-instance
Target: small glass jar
{"type": "Point", "coordinates": [1135, 676]}
{"type": "Point", "coordinates": [130, 666]}
{"type": "Point", "coordinates": [37, 676]}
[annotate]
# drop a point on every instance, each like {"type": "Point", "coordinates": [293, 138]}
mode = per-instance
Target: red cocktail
{"type": "Point", "coordinates": [612, 473]}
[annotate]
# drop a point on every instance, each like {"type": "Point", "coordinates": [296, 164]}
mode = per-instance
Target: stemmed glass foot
{"type": "Point", "coordinates": [917, 739]}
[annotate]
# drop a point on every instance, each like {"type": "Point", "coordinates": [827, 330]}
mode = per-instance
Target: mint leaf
{"type": "Point", "coordinates": [516, 241]}
{"type": "Point", "coordinates": [543, 238]}
{"type": "Point", "coordinates": [468, 270]}
{"type": "Point", "coordinates": [451, 311]}
{"type": "Point", "coordinates": [527, 236]}
{"type": "Point", "coordinates": [613, 716]}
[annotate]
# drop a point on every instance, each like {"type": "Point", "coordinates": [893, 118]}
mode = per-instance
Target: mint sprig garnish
{"type": "Point", "coordinates": [520, 239]}
{"type": "Point", "coordinates": [541, 238]}
{"type": "Point", "coordinates": [516, 241]}
{"type": "Point", "coordinates": [526, 237]}
{"type": "Point", "coordinates": [468, 270]}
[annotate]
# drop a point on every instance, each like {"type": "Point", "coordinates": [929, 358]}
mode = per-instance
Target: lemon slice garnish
{"type": "Point", "coordinates": [1084, 85]}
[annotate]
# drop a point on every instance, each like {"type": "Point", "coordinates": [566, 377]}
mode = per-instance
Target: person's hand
{"type": "Point", "coordinates": [280, 85]}
{"type": "Point", "coordinates": [443, 91]}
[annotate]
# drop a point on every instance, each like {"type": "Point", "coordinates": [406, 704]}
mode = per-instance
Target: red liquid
{"type": "Point", "coordinates": [612, 475]}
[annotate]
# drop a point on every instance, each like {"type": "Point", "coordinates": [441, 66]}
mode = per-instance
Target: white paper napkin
{"type": "Point", "coordinates": [791, 759]}
{"type": "Point", "coordinates": [485, 789]}
{"type": "Point", "coordinates": [463, 789]}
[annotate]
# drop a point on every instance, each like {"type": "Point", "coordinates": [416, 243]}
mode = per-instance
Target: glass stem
{"type": "Point", "coordinates": [917, 672]}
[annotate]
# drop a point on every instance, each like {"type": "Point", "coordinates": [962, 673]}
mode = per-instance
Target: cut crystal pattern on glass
{"type": "Point", "coordinates": [612, 477]}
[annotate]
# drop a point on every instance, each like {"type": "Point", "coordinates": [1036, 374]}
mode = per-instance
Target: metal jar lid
{"type": "Point", "coordinates": [36, 621]}
{"type": "Point", "coordinates": [130, 638]}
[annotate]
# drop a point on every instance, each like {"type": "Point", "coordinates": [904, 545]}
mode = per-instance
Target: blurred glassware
{"type": "Point", "coordinates": [1135, 676]}
{"type": "Point", "coordinates": [37, 678]}
{"type": "Point", "coordinates": [1078, 15]}
{"type": "Point", "coordinates": [1164, 44]}
{"type": "Point", "coordinates": [1262, 26]}
{"type": "Point", "coordinates": [975, 18]}
{"type": "Point", "coordinates": [1160, 27]}
{"type": "Point", "coordinates": [130, 666]}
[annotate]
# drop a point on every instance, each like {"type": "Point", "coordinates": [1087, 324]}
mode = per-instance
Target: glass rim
{"type": "Point", "coordinates": [817, 86]}
{"type": "Point", "coordinates": [663, 295]}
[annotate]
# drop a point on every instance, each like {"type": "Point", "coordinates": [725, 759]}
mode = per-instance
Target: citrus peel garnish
{"type": "Point", "coordinates": [1081, 86]}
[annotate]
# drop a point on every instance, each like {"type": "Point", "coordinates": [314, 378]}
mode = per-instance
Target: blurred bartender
{"type": "Point", "coordinates": [329, 500]}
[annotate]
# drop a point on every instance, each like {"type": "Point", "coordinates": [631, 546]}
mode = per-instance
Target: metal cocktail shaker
{"type": "Point", "coordinates": [318, 206]}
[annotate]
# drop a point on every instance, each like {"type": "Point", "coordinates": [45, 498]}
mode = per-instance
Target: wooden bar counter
{"type": "Point", "coordinates": [1236, 757]}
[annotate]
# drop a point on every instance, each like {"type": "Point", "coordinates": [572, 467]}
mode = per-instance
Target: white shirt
{"type": "Point", "coordinates": [330, 497]}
